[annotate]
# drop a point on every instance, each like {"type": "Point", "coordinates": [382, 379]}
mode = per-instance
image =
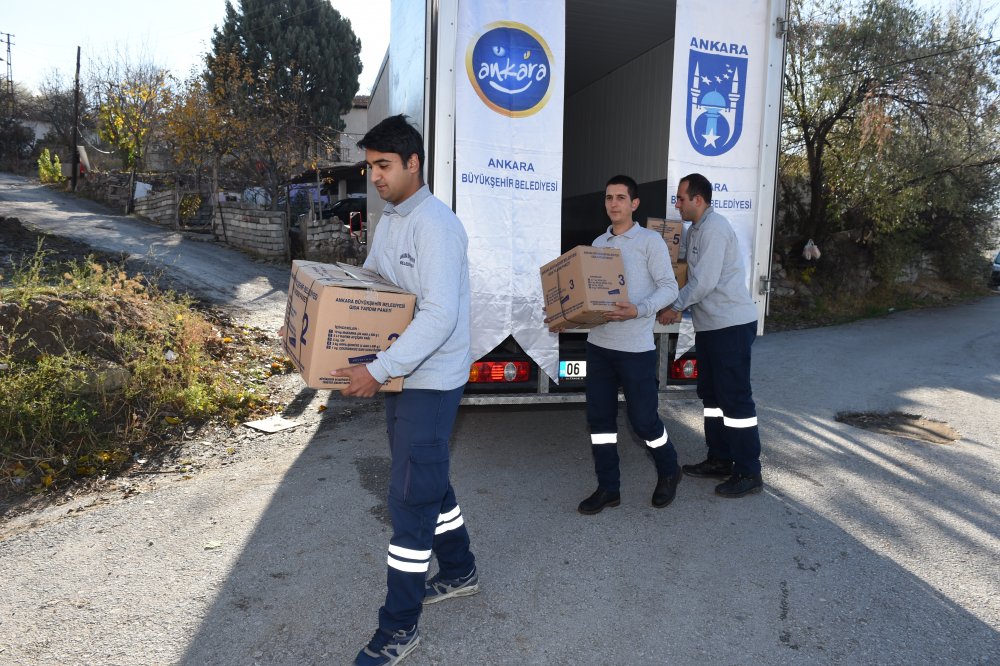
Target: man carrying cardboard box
{"type": "Point", "coordinates": [622, 353]}
{"type": "Point", "coordinates": [725, 324]}
{"type": "Point", "coordinates": [420, 246]}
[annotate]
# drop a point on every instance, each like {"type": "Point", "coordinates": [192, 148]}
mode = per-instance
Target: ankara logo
{"type": "Point", "coordinates": [718, 73]}
{"type": "Point", "coordinates": [510, 67]}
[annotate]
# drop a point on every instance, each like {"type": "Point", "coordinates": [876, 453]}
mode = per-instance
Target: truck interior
{"type": "Point", "coordinates": [619, 59]}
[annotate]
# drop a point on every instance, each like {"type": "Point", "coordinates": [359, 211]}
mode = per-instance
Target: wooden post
{"type": "Point", "coordinates": [76, 121]}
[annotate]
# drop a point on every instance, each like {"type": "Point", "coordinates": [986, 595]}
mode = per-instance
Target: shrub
{"type": "Point", "coordinates": [190, 204]}
{"type": "Point", "coordinates": [67, 329]}
{"type": "Point", "coordinates": [49, 168]}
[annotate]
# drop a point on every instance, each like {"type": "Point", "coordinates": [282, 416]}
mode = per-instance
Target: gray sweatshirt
{"type": "Point", "coordinates": [421, 246]}
{"type": "Point", "coordinates": [716, 290]}
{"type": "Point", "coordinates": [651, 287]}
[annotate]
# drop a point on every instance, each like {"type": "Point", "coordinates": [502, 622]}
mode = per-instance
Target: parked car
{"type": "Point", "coordinates": [995, 278]}
{"type": "Point", "coordinates": [353, 214]}
{"type": "Point", "coordinates": [343, 209]}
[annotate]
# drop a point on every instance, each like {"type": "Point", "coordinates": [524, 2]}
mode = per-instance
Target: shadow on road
{"type": "Point", "coordinates": [767, 579]}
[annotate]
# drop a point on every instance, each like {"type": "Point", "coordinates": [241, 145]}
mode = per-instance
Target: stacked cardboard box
{"type": "Point", "coordinates": [672, 231]}
{"type": "Point", "coordinates": [681, 273]}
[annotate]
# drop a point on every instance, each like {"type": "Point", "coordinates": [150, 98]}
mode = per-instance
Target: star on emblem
{"type": "Point", "coordinates": [710, 139]}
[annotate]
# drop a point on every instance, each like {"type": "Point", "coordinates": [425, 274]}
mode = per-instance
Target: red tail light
{"type": "Point", "coordinates": [483, 372]}
{"type": "Point", "coordinates": [684, 368]}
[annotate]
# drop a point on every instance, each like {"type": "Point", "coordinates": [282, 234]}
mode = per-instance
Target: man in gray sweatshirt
{"type": "Point", "coordinates": [420, 246]}
{"type": "Point", "coordinates": [725, 324]}
{"type": "Point", "coordinates": [622, 354]}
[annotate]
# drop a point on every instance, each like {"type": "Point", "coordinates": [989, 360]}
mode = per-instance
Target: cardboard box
{"type": "Point", "coordinates": [340, 315]}
{"type": "Point", "coordinates": [671, 231]}
{"type": "Point", "coordinates": [583, 284]}
{"type": "Point", "coordinates": [681, 273]}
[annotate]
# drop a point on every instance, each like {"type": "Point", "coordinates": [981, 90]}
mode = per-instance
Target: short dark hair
{"type": "Point", "coordinates": [621, 179]}
{"type": "Point", "coordinates": [698, 185]}
{"type": "Point", "coordinates": [395, 134]}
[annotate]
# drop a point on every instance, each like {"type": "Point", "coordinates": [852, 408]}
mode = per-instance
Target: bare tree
{"type": "Point", "coordinates": [130, 96]}
{"type": "Point", "coordinates": [16, 138]}
{"type": "Point", "coordinates": [54, 105]}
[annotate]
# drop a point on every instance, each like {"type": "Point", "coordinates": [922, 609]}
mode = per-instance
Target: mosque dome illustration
{"type": "Point", "coordinates": [714, 100]}
{"type": "Point", "coordinates": [712, 115]}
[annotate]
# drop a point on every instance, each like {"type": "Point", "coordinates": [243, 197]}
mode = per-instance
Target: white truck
{"type": "Point", "coordinates": [527, 107]}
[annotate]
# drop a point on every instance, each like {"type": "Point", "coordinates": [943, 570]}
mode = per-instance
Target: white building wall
{"type": "Point", "coordinates": [378, 109]}
{"type": "Point", "coordinates": [355, 126]}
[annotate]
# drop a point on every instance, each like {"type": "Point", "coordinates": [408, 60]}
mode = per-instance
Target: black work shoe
{"type": "Point", "coordinates": [600, 499]}
{"type": "Point", "coordinates": [739, 485]}
{"type": "Point", "coordinates": [666, 489]}
{"type": "Point", "coordinates": [710, 468]}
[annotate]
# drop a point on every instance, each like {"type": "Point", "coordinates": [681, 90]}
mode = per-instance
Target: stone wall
{"type": "Point", "coordinates": [107, 187]}
{"type": "Point", "coordinates": [160, 207]}
{"type": "Point", "coordinates": [262, 233]}
{"type": "Point", "coordinates": [328, 241]}
{"type": "Point", "coordinates": [845, 268]}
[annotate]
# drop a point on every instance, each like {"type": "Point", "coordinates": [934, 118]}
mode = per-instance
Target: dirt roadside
{"type": "Point", "coordinates": [199, 448]}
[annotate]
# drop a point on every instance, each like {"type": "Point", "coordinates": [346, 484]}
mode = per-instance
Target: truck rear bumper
{"type": "Point", "coordinates": [678, 392]}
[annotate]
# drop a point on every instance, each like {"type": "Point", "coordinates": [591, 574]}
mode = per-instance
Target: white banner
{"type": "Point", "coordinates": [508, 165]}
{"type": "Point", "coordinates": [720, 58]}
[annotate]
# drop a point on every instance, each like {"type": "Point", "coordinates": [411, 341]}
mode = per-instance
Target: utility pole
{"type": "Point", "coordinates": [76, 121]}
{"type": "Point", "coordinates": [5, 37]}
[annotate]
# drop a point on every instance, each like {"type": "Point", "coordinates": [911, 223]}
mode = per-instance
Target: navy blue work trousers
{"type": "Point", "coordinates": [635, 374]}
{"type": "Point", "coordinates": [426, 518]}
{"type": "Point", "coordinates": [724, 388]}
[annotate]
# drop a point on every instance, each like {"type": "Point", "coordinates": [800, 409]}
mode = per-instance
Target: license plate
{"type": "Point", "coordinates": [572, 369]}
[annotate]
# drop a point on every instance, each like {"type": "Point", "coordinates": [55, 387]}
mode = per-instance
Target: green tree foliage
{"type": "Point", "coordinates": [891, 124]}
{"type": "Point", "coordinates": [301, 49]}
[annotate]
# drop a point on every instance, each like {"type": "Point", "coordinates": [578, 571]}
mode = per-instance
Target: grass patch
{"type": "Point", "coordinates": [832, 307]}
{"type": "Point", "coordinates": [100, 367]}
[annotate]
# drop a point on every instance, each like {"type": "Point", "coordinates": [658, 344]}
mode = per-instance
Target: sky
{"type": "Point", "coordinates": [174, 35]}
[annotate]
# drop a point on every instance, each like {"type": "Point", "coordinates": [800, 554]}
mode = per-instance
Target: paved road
{"type": "Point", "coordinates": [864, 549]}
{"type": "Point", "coordinates": [214, 271]}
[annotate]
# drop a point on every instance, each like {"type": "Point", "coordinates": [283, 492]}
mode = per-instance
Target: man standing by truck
{"type": "Point", "coordinates": [622, 353]}
{"type": "Point", "coordinates": [420, 246]}
{"type": "Point", "coordinates": [725, 324]}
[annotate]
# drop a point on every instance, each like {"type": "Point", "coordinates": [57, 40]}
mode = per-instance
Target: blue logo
{"type": "Point", "coordinates": [510, 67]}
{"type": "Point", "coordinates": [717, 95]}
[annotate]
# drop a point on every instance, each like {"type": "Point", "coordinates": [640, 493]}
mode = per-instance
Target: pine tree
{"type": "Point", "coordinates": [307, 48]}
